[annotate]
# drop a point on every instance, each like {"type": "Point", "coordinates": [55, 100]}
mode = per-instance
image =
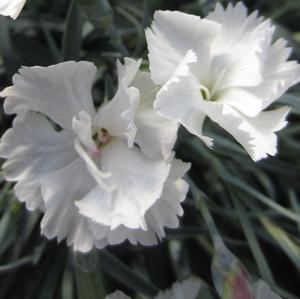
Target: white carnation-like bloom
{"type": "Point", "coordinates": [224, 67]}
{"type": "Point", "coordinates": [11, 8]}
{"type": "Point", "coordinates": [98, 179]}
{"type": "Point", "coordinates": [187, 289]}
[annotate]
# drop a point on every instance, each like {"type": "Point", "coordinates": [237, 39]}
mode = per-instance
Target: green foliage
{"type": "Point", "coordinates": [253, 208]}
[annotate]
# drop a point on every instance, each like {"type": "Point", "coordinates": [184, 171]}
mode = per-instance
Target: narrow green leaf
{"type": "Point", "coordinates": [295, 204]}
{"type": "Point", "coordinates": [53, 277]}
{"type": "Point", "coordinates": [17, 264]}
{"type": "Point", "coordinates": [98, 12]}
{"type": "Point", "coordinates": [262, 198]}
{"type": "Point", "coordinates": [253, 243]}
{"type": "Point", "coordinates": [72, 35]}
{"type": "Point", "coordinates": [7, 51]}
{"type": "Point", "coordinates": [5, 223]}
{"type": "Point", "coordinates": [291, 249]}
{"type": "Point", "coordinates": [89, 284]}
{"type": "Point", "coordinates": [286, 243]}
{"type": "Point", "coordinates": [121, 272]}
{"type": "Point", "coordinates": [67, 284]}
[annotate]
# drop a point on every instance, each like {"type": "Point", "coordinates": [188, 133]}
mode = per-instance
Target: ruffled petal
{"type": "Point", "coordinates": [181, 101]}
{"type": "Point", "coordinates": [278, 73]}
{"type": "Point", "coordinates": [117, 116]}
{"type": "Point", "coordinates": [11, 8]}
{"type": "Point", "coordinates": [137, 182]}
{"type": "Point", "coordinates": [33, 149]}
{"type": "Point", "coordinates": [156, 135]}
{"type": "Point", "coordinates": [128, 70]}
{"type": "Point", "coordinates": [171, 36]}
{"type": "Point", "coordinates": [164, 213]}
{"type": "Point", "coordinates": [257, 134]}
{"type": "Point", "coordinates": [117, 295]}
{"type": "Point", "coordinates": [240, 48]}
{"type": "Point", "coordinates": [59, 91]}
{"type": "Point", "coordinates": [62, 220]}
{"type": "Point", "coordinates": [187, 289]}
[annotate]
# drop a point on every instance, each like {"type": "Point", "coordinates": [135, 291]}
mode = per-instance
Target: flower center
{"type": "Point", "coordinates": [101, 137]}
{"type": "Point", "coordinates": [205, 93]}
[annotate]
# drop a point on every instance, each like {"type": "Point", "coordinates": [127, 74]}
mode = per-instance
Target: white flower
{"type": "Point", "coordinates": [96, 182]}
{"type": "Point", "coordinates": [187, 289]}
{"type": "Point", "coordinates": [263, 291]}
{"type": "Point", "coordinates": [224, 67]}
{"type": "Point", "coordinates": [11, 8]}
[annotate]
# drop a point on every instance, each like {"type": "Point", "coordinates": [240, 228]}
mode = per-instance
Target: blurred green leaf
{"type": "Point", "coordinates": [253, 243]}
{"type": "Point", "coordinates": [98, 12]}
{"type": "Point", "coordinates": [121, 272]}
{"type": "Point", "coordinates": [72, 35]}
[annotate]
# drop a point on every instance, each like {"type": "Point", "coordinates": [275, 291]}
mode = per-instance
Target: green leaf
{"type": "Point", "coordinates": [89, 280]}
{"type": "Point", "coordinates": [98, 12]}
{"type": "Point", "coordinates": [261, 262]}
{"type": "Point", "coordinates": [7, 51]}
{"type": "Point", "coordinates": [121, 272]}
{"type": "Point", "coordinates": [72, 35]}
{"type": "Point", "coordinates": [17, 264]}
{"type": "Point", "coordinates": [262, 198]}
{"type": "Point", "coordinates": [281, 237]}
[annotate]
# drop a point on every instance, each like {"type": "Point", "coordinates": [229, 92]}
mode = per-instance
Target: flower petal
{"type": "Point", "coordinates": [83, 128]}
{"type": "Point", "coordinates": [117, 116]}
{"type": "Point", "coordinates": [257, 134]}
{"type": "Point", "coordinates": [278, 73]}
{"type": "Point", "coordinates": [163, 213]}
{"type": "Point", "coordinates": [137, 182]}
{"type": "Point", "coordinates": [170, 37]}
{"type": "Point", "coordinates": [240, 47]}
{"type": "Point", "coordinates": [243, 100]}
{"type": "Point", "coordinates": [33, 149]}
{"type": "Point", "coordinates": [187, 289]}
{"type": "Point", "coordinates": [11, 8]}
{"type": "Point", "coordinates": [128, 70]}
{"type": "Point", "coordinates": [156, 135]}
{"type": "Point", "coordinates": [117, 295]}
{"type": "Point", "coordinates": [59, 91]}
{"type": "Point", "coordinates": [181, 101]}
{"type": "Point", "coordinates": [91, 166]}
{"type": "Point", "coordinates": [62, 220]}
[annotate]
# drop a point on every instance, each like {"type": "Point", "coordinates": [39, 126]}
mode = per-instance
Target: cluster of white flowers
{"type": "Point", "coordinates": [103, 176]}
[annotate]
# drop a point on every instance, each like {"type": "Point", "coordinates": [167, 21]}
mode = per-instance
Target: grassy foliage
{"type": "Point", "coordinates": [255, 207]}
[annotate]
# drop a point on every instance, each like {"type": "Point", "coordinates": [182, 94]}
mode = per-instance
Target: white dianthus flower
{"type": "Point", "coordinates": [224, 67]}
{"type": "Point", "coordinates": [97, 177]}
